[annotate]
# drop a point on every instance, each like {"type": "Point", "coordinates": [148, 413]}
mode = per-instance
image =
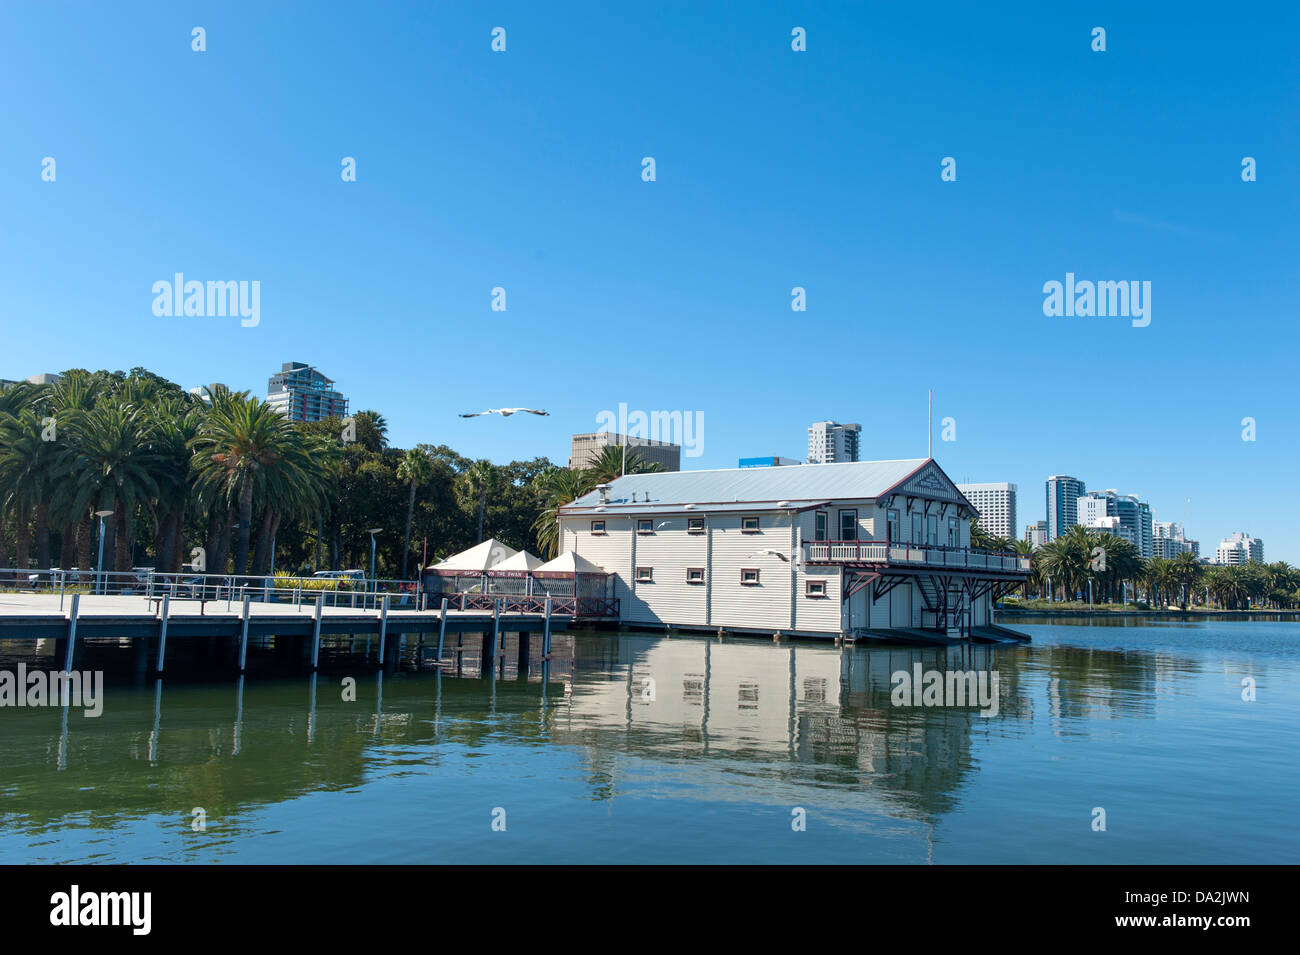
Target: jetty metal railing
{"type": "Point", "coordinates": [903, 554]}
{"type": "Point", "coordinates": [300, 592]}
{"type": "Point", "coordinates": [152, 585]}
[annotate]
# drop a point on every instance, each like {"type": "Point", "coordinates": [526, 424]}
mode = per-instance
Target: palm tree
{"type": "Point", "coordinates": [477, 477]}
{"type": "Point", "coordinates": [294, 486]}
{"type": "Point", "coordinates": [175, 425]}
{"type": "Point", "coordinates": [610, 465]}
{"type": "Point", "coordinates": [372, 430]}
{"type": "Point", "coordinates": [555, 488]}
{"type": "Point", "coordinates": [1158, 573]}
{"type": "Point", "coordinates": [1187, 572]}
{"type": "Point", "coordinates": [14, 399]}
{"type": "Point", "coordinates": [76, 392]}
{"type": "Point", "coordinates": [241, 440]}
{"type": "Point", "coordinates": [26, 464]}
{"type": "Point", "coordinates": [416, 468]}
{"type": "Point", "coordinates": [111, 462]}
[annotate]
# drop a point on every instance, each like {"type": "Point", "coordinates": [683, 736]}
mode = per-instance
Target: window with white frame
{"type": "Point", "coordinates": [695, 525]}
{"type": "Point", "coordinates": [645, 526]}
{"type": "Point", "coordinates": [598, 527]}
{"type": "Point", "coordinates": [749, 576]}
{"type": "Point", "coordinates": [645, 575]}
{"type": "Point", "coordinates": [749, 525]}
{"type": "Point", "coordinates": [814, 588]}
{"type": "Point", "coordinates": [695, 575]}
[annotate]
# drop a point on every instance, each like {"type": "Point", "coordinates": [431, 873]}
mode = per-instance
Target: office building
{"type": "Point", "coordinates": [832, 443]}
{"type": "Point", "coordinates": [1063, 493]}
{"type": "Point", "coordinates": [996, 503]}
{"type": "Point", "coordinates": [1121, 514]}
{"type": "Point", "coordinates": [585, 449]}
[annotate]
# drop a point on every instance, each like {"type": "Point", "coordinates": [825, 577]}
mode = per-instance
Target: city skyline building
{"type": "Point", "coordinates": [1238, 549]}
{"type": "Point", "coordinates": [1063, 493]}
{"type": "Point", "coordinates": [585, 449]}
{"type": "Point", "coordinates": [996, 502]}
{"type": "Point", "coordinates": [301, 393]}
{"type": "Point", "coordinates": [1122, 514]}
{"type": "Point", "coordinates": [830, 442]}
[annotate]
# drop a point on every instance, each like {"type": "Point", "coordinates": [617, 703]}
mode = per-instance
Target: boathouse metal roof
{"type": "Point", "coordinates": [771, 488]}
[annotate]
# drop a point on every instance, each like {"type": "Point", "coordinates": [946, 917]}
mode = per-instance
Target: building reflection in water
{"type": "Point", "coordinates": [680, 717]}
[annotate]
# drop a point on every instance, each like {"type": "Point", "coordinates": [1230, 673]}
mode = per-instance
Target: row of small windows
{"type": "Point", "coordinates": [925, 529]}
{"type": "Point", "coordinates": [694, 525]}
{"type": "Point", "coordinates": [749, 577]}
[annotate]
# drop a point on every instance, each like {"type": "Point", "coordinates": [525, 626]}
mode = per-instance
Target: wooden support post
{"type": "Point", "coordinates": [162, 630]}
{"type": "Point", "coordinates": [496, 629]}
{"type": "Point", "coordinates": [315, 635]}
{"type": "Point", "coordinates": [72, 633]}
{"type": "Point", "coordinates": [383, 628]}
{"type": "Point", "coordinates": [442, 627]}
{"type": "Point", "coordinates": [243, 637]}
{"type": "Point", "coordinates": [546, 632]}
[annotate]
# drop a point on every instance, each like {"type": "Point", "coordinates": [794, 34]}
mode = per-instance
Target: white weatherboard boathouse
{"type": "Point", "coordinates": [823, 550]}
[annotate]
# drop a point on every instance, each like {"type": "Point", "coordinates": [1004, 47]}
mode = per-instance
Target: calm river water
{"type": "Point", "coordinates": [648, 749]}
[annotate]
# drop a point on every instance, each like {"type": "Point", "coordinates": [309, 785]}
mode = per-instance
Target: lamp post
{"type": "Point", "coordinates": [99, 568]}
{"type": "Point", "coordinates": [1089, 593]}
{"type": "Point", "coordinates": [373, 531]}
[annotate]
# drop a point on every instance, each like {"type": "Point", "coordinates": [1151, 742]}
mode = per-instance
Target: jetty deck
{"type": "Point", "coordinates": [71, 618]}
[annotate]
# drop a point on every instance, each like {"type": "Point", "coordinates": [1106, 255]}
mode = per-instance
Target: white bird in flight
{"type": "Point", "coordinates": [769, 552]}
{"type": "Point", "coordinates": [505, 412]}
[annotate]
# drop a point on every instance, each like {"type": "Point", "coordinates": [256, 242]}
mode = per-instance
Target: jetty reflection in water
{"type": "Point", "coordinates": [706, 745]}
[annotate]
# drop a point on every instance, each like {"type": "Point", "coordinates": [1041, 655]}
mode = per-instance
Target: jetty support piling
{"type": "Point", "coordinates": [243, 637]}
{"type": "Point", "coordinates": [315, 633]}
{"type": "Point", "coordinates": [162, 631]}
{"type": "Point", "coordinates": [72, 633]}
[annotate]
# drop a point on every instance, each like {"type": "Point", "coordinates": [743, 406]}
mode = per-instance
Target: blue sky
{"type": "Point", "coordinates": [775, 169]}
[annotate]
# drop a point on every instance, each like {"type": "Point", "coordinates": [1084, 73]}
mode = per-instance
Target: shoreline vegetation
{"type": "Point", "coordinates": [1075, 608]}
{"type": "Point", "coordinates": [1084, 562]}
{"type": "Point", "coordinates": [225, 484]}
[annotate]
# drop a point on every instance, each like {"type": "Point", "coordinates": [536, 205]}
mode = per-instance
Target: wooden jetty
{"type": "Point", "coordinates": [37, 616]}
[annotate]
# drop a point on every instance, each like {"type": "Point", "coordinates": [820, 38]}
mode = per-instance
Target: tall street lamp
{"type": "Point", "coordinates": [373, 531]}
{"type": "Point", "coordinates": [99, 569]}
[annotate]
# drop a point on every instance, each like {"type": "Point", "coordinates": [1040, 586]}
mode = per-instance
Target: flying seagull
{"type": "Point", "coordinates": [769, 552]}
{"type": "Point", "coordinates": [505, 412]}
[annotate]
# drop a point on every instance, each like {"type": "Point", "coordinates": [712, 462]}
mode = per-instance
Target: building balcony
{"type": "Point", "coordinates": [882, 554]}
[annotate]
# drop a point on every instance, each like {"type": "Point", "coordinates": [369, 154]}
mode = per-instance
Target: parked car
{"type": "Point", "coordinates": [352, 577]}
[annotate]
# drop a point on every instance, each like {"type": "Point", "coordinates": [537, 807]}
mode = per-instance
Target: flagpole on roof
{"type": "Point", "coordinates": [929, 431]}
